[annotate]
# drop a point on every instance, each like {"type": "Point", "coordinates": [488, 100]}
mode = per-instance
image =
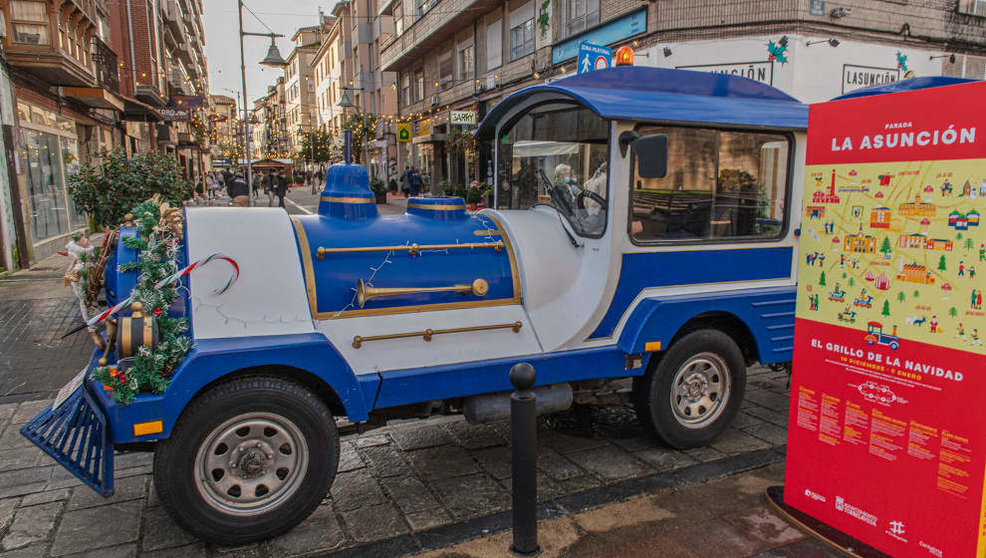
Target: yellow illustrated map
{"type": "Point", "coordinates": [897, 250]}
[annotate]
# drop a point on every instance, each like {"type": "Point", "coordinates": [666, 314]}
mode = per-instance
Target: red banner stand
{"type": "Point", "coordinates": [886, 436]}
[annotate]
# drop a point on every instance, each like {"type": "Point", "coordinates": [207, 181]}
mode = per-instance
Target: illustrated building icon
{"type": "Point", "coordinates": [916, 273]}
{"type": "Point", "coordinates": [826, 197]}
{"type": "Point", "coordinates": [860, 243]}
{"type": "Point", "coordinates": [880, 217]}
{"type": "Point", "coordinates": [917, 208]}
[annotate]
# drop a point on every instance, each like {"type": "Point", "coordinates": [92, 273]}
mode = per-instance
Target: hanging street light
{"type": "Point", "coordinates": [273, 59]}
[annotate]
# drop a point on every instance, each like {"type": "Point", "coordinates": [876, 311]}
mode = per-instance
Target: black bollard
{"type": "Point", "coordinates": [523, 429]}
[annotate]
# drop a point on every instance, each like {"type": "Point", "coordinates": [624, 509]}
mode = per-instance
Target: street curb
{"type": "Point", "coordinates": [447, 535]}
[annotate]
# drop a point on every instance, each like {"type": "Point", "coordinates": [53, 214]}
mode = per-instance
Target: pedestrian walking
{"type": "Point", "coordinates": [406, 180]}
{"type": "Point", "coordinates": [416, 182]}
{"type": "Point", "coordinates": [281, 188]}
{"type": "Point", "coordinates": [238, 190]}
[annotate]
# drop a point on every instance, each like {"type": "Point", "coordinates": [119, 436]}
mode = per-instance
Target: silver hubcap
{"type": "Point", "coordinates": [251, 463]}
{"type": "Point", "coordinates": [700, 390]}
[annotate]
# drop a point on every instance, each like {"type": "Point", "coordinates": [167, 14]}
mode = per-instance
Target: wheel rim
{"type": "Point", "coordinates": [700, 390]}
{"type": "Point", "coordinates": [251, 464]}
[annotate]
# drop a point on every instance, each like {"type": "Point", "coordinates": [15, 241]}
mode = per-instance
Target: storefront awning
{"type": "Point", "coordinates": [137, 111]}
{"type": "Point", "coordinates": [95, 97]}
{"type": "Point", "coordinates": [544, 149]}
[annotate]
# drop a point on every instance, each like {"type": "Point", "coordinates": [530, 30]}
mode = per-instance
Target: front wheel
{"type": "Point", "coordinates": [248, 460]}
{"type": "Point", "coordinates": [695, 390]}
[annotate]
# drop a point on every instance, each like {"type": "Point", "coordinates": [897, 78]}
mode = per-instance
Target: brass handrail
{"type": "Point", "coordinates": [479, 287]}
{"type": "Point", "coordinates": [429, 333]}
{"type": "Point", "coordinates": [412, 249]}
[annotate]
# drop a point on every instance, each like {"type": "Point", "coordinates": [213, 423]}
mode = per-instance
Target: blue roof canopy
{"type": "Point", "coordinates": [664, 95]}
{"type": "Point", "coordinates": [912, 84]}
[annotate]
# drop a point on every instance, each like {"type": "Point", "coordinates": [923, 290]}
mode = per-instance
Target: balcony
{"type": "Point", "coordinates": [56, 50]}
{"type": "Point", "coordinates": [383, 27]}
{"type": "Point", "coordinates": [439, 23]}
{"type": "Point", "coordinates": [172, 16]}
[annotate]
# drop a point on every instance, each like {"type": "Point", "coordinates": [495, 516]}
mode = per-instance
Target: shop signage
{"type": "Point", "coordinates": [888, 339]}
{"type": "Point", "coordinates": [608, 33]}
{"type": "Point", "coordinates": [424, 127]}
{"type": "Point", "coordinates": [858, 77]}
{"type": "Point", "coordinates": [187, 101]}
{"type": "Point", "coordinates": [404, 132]}
{"type": "Point", "coordinates": [757, 71]}
{"type": "Point", "coordinates": [594, 57]}
{"type": "Point", "coordinates": [462, 117]}
{"type": "Point", "coordinates": [172, 114]}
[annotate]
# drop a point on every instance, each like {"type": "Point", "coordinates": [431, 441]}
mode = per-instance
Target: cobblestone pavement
{"type": "Point", "coordinates": [414, 484]}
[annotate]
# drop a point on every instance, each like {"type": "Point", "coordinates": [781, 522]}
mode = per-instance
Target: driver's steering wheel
{"type": "Point", "coordinates": [583, 194]}
{"type": "Point", "coordinates": [557, 195]}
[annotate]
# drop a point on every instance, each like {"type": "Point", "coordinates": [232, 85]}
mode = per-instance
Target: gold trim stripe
{"type": "Point", "coordinates": [437, 207]}
{"type": "Point", "coordinates": [309, 269]}
{"type": "Point", "coordinates": [412, 249]}
{"type": "Point", "coordinates": [347, 200]}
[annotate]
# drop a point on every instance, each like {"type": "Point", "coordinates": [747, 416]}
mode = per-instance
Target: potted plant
{"type": "Point", "coordinates": [474, 195]}
{"type": "Point", "coordinates": [393, 186]}
{"type": "Point", "coordinates": [379, 188]}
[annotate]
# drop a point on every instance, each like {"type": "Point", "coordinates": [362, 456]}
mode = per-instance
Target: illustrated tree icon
{"type": "Point", "coordinates": [852, 281]}
{"type": "Point", "coordinates": [968, 244]}
{"type": "Point", "coordinates": [886, 308]}
{"type": "Point", "coordinates": [886, 248]}
{"type": "Point", "coordinates": [952, 312]}
{"type": "Point", "coordinates": [917, 293]}
{"type": "Point", "coordinates": [941, 263]}
{"type": "Point", "coordinates": [901, 297]}
{"type": "Point", "coordinates": [821, 280]}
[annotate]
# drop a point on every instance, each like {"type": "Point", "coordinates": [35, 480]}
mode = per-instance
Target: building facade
{"type": "Point", "coordinates": [89, 76]}
{"type": "Point", "coordinates": [462, 56]}
{"type": "Point", "coordinates": [299, 87]}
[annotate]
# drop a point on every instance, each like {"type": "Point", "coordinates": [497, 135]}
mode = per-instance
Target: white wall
{"type": "Point", "coordinates": [812, 73]}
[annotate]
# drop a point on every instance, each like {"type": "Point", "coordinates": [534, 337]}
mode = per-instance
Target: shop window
{"type": "Point", "coordinates": [973, 7]}
{"type": "Point", "coordinates": [45, 186]}
{"type": "Point", "coordinates": [580, 15]}
{"type": "Point", "coordinates": [29, 20]}
{"type": "Point", "coordinates": [720, 185]}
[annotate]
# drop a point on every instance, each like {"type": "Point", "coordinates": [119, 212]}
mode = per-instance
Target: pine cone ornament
{"type": "Point", "coordinates": [171, 222]}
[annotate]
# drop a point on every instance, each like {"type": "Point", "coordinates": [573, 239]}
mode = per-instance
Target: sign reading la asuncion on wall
{"type": "Point", "coordinates": [886, 438]}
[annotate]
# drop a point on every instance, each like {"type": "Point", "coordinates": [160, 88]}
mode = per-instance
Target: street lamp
{"type": "Point", "coordinates": [346, 102]}
{"type": "Point", "coordinates": [273, 59]}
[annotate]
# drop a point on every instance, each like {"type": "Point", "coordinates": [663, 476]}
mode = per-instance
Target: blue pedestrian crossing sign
{"type": "Point", "coordinates": [594, 57]}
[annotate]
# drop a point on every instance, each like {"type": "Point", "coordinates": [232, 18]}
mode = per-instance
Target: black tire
{"type": "Point", "coordinates": [255, 401]}
{"type": "Point", "coordinates": [699, 354]}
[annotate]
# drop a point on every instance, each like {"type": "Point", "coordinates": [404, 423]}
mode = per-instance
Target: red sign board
{"type": "Point", "coordinates": [886, 438]}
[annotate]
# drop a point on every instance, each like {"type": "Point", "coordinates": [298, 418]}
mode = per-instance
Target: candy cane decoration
{"type": "Point", "coordinates": [172, 279]}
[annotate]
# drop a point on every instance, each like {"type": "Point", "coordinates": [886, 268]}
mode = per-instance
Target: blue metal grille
{"type": "Point", "coordinates": [75, 435]}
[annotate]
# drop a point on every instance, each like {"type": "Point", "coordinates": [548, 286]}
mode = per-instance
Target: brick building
{"type": "Point", "coordinates": [88, 76]}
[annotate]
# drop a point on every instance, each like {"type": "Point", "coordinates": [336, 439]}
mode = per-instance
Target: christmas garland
{"type": "Point", "coordinates": [159, 231]}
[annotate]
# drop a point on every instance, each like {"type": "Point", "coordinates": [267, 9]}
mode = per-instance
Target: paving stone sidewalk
{"type": "Point", "coordinates": [405, 480]}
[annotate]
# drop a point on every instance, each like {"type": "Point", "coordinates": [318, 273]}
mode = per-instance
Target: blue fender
{"type": "Point", "coordinates": [767, 313]}
{"type": "Point", "coordinates": [211, 359]}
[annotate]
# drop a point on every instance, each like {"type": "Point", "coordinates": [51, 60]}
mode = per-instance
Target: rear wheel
{"type": "Point", "coordinates": [247, 460]}
{"type": "Point", "coordinates": [694, 392]}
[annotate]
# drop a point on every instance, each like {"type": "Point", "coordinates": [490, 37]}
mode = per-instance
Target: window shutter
{"type": "Point", "coordinates": [494, 44]}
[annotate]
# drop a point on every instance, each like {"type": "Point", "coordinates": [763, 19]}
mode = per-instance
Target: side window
{"type": "Point", "coordinates": [721, 185]}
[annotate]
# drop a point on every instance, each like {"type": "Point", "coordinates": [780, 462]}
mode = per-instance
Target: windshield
{"type": "Point", "coordinates": [557, 155]}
